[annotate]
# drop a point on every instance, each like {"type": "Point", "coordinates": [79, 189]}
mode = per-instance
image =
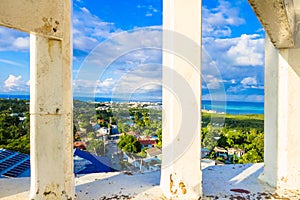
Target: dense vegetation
{"type": "Point", "coordinates": [147, 122]}
{"type": "Point", "coordinates": [227, 131]}
{"type": "Point", "coordinates": [14, 125]}
{"type": "Point", "coordinates": [129, 144]}
{"type": "Point", "coordinates": [235, 131]}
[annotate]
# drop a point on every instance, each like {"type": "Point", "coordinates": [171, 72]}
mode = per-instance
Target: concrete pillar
{"type": "Point", "coordinates": [282, 114]}
{"type": "Point", "coordinates": [181, 175]}
{"type": "Point", "coordinates": [51, 114]}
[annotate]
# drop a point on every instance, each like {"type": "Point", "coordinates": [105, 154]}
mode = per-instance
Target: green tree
{"type": "Point", "coordinates": [251, 156]}
{"type": "Point", "coordinates": [14, 134]}
{"type": "Point", "coordinates": [129, 143]}
{"type": "Point", "coordinates": [159, 137]}
{"type": "Point", "coordinates": [92, 135]}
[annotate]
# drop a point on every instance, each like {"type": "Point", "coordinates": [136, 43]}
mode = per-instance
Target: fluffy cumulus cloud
{"type": "Point", "coordinates": [143, 78]}
{"type": "Point", "coordinates": [249, 81]}
{"type": "Point", "coordinates": [21, 43]}
{"type": "Point", "coordinates": [218, 21]}
{"type": "Point", "coordinates": [130, 56]}
{"type": "Point", "coordinates": [231, 59]}
{"type": "Point", "coordinates": [137, 80]}
{"type": "Point", "coordinates": [15, 84]}
{"type": "Point", "coordinates": [113, 67]}
{"type": "Point", "coordinates": [117, 61]}
{"type": "Point", "coordinates": [12, 40]}
{"type": "Point", "coordinates": [89, 30]}
{"type": "Point", "coordinates": [212, 83]}
{"type": "Point", "coordinates": [247, 50]}
{"type": "Point", "coordinates": [88, 87]}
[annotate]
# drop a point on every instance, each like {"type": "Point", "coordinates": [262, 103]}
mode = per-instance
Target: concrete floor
{"type": "Point", "coordinates": [219, 182]}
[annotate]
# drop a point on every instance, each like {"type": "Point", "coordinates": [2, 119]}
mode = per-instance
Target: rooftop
{"type": "Point", "coordinates": [219, 182]}
{"type": "Point", "coordinates": [16, 165]}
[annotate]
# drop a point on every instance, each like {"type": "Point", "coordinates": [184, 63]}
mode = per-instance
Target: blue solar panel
{"type": "Point", "coordinates": [5, 154]}
{"type": "Point", "coordinates": [13, 164]}
{"type": "Point", "coordinates": [19, 169]}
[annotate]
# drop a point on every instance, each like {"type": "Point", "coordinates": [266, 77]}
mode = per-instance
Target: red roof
{"type": "Point", "coordinates": [79, 145]}
{"type": "Point", "coordinates": [147, 141]}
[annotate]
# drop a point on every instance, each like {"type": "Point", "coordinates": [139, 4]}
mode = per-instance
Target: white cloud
{"type": "Point", "coordinates": [107, 84]}
{"type": "Point", "coordinates": [84, 9]}
{"type": "Point", "coordinates": [21, 43]}
{"type": "Point", "coordinates": [139, 79]}
{"type": "Point", "coordinates": [248, 81]}
{"type": "Point", "coordinates": [127, 48]}
{"type": "Point", "coordinates": [12, 40]}
{"type": "Point", "coordinates": [89, 30]}
{"type": "Point", "coordinates": [251, 82]}
{"type": "Point", "coordinates": [248, 51]}
{"type": "Point", "coordinates": [12, 81]}
{"type": "Point", "coordinates": [217, 21]}
{"type": "Point", "coordinates": [128, 60]}
{"type": "Point", "coordinates": [213, 82]}
{"type": "Point", "coordinates": [15, 83]}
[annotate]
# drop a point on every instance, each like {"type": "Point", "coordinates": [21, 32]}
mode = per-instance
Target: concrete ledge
{"type": "Point", "coordinates": [219, 182]}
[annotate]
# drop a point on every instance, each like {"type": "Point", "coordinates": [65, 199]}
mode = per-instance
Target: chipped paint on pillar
{"type": "Point", "coordinates": [41, 17]}
{"type": "Point", "coordinates": [50, 26]}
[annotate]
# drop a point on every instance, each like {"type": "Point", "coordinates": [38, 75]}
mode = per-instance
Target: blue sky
{"type": "Point", "coordinates": [107, 61]}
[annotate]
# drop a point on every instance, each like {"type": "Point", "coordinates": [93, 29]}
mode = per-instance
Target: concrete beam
{"type": "Point", "coordinates": [278, 19]}
{"type": "Point", "coordinates": [35, 16]}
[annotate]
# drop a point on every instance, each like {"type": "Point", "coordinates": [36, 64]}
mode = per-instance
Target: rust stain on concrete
{"type": "Point", "coordinates": [284, 179]}
{"type": "Point", "coordinates": [171, 185]}
{"type": "Point", "coordinates": [50, 26]}
{"type": "Point", "coordinates": [182, 187]}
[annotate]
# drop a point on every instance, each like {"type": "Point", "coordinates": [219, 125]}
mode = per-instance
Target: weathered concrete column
{"type": "Point", "coordinates": [181, 175]}
{"type": "Point", "coordinates": [51, 121]}
{"type": "Point", "coordinates": [51, 114]}
{"type": "Point", "coordinates": [280, 20]}
{"type": "Point", "coordinates": [282, 114]}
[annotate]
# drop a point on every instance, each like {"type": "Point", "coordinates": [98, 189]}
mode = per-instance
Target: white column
{"type": "Point", "coordinates": [181, 175]}
{"type": "Point", "coordinates": [51, 115]}
{"type": "Point", "coordinates": [282, 114]}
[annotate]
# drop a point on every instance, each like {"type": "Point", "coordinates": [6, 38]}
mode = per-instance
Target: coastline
{"type": "Point", "coordinates": [219, 107]}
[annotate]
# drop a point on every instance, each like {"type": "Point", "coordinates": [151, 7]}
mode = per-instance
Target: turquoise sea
{"type": "Point", "coordinates": [230, 107]}
{"type": "Point", "coordinates": [234, 107]}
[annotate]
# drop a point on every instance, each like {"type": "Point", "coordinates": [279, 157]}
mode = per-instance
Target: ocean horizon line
{"type": "Point", "coordinates": [27, 97]}
{"type": "Point", "coordinates": [228, 107]}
